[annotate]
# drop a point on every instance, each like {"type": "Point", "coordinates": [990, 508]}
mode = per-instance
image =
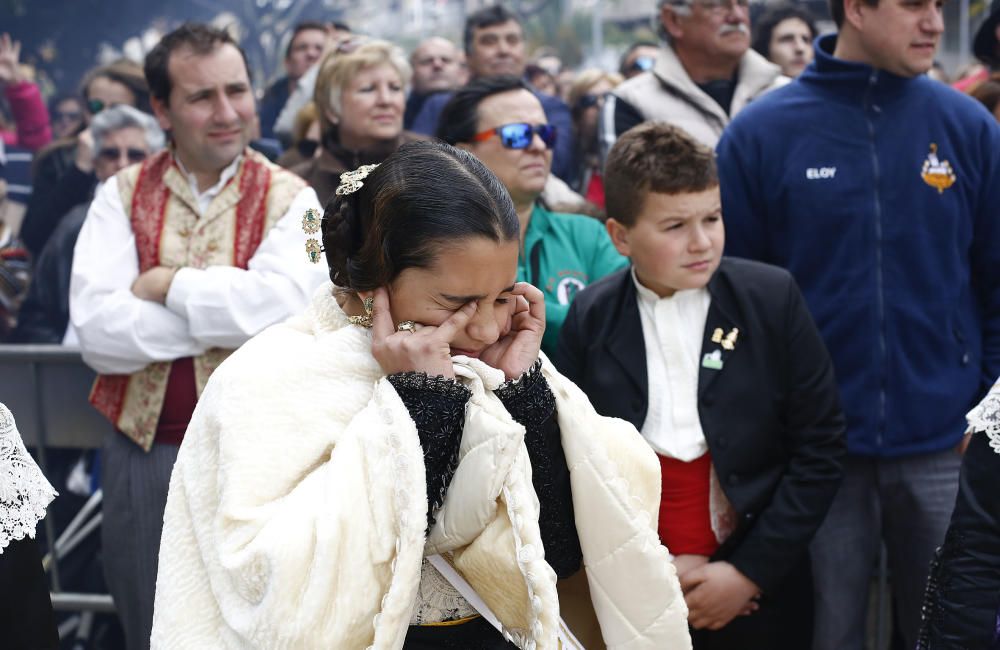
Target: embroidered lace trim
{"type": "Point", "coordinates": [24, 491]}
{"type": "Point", "coordinates": [985, 417]}
{"type": "Point", "coordinates": [437, 600]}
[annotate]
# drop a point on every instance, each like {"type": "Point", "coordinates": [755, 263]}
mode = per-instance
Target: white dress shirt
{"type": "Point", "coordinates": [673, 329]}
{"type": "Point", "coordinates": [204, 199]}
{"type": "Point", "coordinates": [219, 306]}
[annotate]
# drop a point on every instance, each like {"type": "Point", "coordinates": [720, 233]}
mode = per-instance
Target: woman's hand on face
{"type": "Point", "coordinates": [427, 349]}
{"type": "Point", "coordinates": [517, 349]}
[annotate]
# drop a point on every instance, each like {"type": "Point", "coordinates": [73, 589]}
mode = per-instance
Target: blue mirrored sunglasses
{"type": "Point", "coordinates": [519, 135]}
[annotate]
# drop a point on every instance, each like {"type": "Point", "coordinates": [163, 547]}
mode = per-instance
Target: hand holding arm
{"type": "Point", "coordinates": [153, 285]}
{"type": "Point", "coordinates": [716, 593]}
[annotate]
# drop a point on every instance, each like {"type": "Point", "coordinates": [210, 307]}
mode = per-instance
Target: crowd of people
{"type": "Point", "coordinates": [658, 357]}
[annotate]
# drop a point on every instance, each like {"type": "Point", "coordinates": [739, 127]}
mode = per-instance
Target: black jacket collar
{"type": "Point", "coordinates": [628, 346]}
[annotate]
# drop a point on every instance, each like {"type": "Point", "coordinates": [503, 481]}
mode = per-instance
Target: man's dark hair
{"type": "Point", "coordinates": [422, 198]}
{"type": "Point", "coordinates": [654, 157]}
{"type": "Point", "coordinates": [486, 17]}
{"type": "Point", "coordinates": [305, 26]}
{"type": "Point", "coordinates": [837, 10]}
{"type": "Point", "coordinates": [764, 26]}
{"type": "Point", "coordinates": [459, 118]}
{"type": "Point", "coordinates": [200, 39]}
{"type": "Point", "coordinates": [340, 26]}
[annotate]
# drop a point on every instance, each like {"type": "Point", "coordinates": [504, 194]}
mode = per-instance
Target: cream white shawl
{"type": "Point", "coordinates": [297, 507]}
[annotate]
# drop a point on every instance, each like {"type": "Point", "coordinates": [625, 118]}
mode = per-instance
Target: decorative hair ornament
{"type": "Point", "coordinates": [310, 225]}
{"type": "Point", "coordinates": [366, 319]}
{"type": "Point", "coordinates": [351, 182]}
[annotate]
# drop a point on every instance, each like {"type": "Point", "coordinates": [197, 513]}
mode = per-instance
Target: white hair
{"type": "Point", "coordinates": [124, 116]}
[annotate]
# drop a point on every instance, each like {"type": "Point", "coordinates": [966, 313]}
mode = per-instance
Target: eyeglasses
{"type": "Point", "coordinates": [520, 135]}
{"type": "Point", "coordinates": [590, 100]}
{"type": "Point", "coordinates": [307, 148]}
{"type": "Point", "coordinates": [716, 6]}
{"type": "Point", "coordinates": [113, 154]}
{"type": "Point", "coordinates": [642, 64]}
{"type": "Point", "coordinates": [68, 116]}
{"type": "Point", "coordinates": [95, 106]}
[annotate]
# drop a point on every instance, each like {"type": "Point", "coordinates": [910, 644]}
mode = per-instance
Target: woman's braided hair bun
{"type": "Point", "coordinates": [341, 237]}
{"type": "Point", "coordinates": [402, 214]}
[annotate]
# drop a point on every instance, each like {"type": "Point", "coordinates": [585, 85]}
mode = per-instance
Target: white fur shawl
{"type": "Point", "coordinates": [297, 507]}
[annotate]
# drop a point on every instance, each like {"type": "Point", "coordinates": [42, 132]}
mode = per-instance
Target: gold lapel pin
{"type": "Point", "coordinates": [729, 342]}
{"type": "Point", "coordinates": [717, 335]}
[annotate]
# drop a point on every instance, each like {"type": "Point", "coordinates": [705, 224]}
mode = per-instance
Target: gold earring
{"type": "Point", "coordinates": [366, 320]}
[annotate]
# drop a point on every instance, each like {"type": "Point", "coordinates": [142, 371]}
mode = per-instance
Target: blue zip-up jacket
{"type": "Point", "coordinates": [881, 194]}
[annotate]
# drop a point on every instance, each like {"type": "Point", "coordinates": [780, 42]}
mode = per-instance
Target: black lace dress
{"type": "Point", "coordinates": [963, 591]}
{"type": "Point", "coordinates": [437, 406]}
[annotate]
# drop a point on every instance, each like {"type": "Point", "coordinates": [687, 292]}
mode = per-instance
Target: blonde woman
{"type": "Point", "coordinates": [360, 99]}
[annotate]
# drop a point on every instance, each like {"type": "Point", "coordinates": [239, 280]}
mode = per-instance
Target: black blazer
{"type": "Point", "coordinates": [771, 414]}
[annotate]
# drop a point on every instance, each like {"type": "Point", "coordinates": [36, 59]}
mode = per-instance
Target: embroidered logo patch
{"type": "Point", "coordinates": [567, 289]}
{"type": "Point", "coordinates": [937, 173]}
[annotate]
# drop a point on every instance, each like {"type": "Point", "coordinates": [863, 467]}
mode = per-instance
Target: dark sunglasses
{"type": "Point", "coordinates": [520, 135]}
{"type": "Point", "coordinates": [590, 100]}
{"type": "Point", "coordinates": [112, 154]}
{"type": "Point", "coordinates": [307, 148]}
{"type": "Point", "coordinates": [68, 116]}
{"type": "Point", "coordinates": [642, 64]}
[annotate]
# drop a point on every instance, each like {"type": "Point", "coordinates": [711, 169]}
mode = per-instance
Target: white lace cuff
{"type": "Point", "coordinates": [24, 491]}
{"type": "Point", "coordinates": [985, 417]}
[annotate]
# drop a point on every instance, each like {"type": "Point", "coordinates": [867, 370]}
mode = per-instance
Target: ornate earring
{"type": "Point", "coordinates": [310, 225]}
{"type": "Point", "coordinates": [366, 320]}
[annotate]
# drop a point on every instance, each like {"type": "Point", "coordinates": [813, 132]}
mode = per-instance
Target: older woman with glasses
{"type": "Point", "coordinates": [64, 171]}
{"type": "Point", "coordinates": [502, 123]}
{"type": "Point", "coordinates": [360, 99]}
{"type": "Point", "coordinates": [122, 136]}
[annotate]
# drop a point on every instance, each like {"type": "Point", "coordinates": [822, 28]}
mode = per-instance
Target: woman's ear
{"type": "Point", "coordinates": [618, 233]}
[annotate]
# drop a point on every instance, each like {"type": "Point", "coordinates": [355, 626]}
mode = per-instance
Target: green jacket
{"type": "Point", "coordinates": [563, 253]}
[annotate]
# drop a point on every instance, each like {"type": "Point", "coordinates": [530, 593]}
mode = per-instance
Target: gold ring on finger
{"type": "Point", "coordinates": [406, 326]}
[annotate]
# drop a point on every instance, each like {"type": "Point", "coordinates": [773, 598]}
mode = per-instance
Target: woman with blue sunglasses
{"type": "Point", "coordinates": [502, 123]}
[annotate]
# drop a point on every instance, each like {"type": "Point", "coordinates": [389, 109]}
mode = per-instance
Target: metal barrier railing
{"type": "Point", "coordinates": [46, 388]}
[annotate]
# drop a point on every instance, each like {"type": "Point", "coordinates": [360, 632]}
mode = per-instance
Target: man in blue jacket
{"type": "Point", "coordinates": [879, 189]}
{"type": "Point", "coordinates": [494, 46]}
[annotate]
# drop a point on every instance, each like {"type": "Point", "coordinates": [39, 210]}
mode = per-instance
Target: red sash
{"type": "Point", "coordinates": [685, 514]}
{"type": "Point", "coordinates": [147, 217]}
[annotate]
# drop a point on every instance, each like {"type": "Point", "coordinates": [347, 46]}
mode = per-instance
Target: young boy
{"type": "Point", "coordinates": [719, 365]}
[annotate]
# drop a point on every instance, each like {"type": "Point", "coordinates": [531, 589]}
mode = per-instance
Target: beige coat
{"type": "Point", "coordinates": [667, 94]}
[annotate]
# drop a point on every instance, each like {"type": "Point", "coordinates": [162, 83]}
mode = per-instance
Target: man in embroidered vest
{"type": "Point", "coordinates": [877, 188]}
{"type": "Point", "coordinates": [181, 260]}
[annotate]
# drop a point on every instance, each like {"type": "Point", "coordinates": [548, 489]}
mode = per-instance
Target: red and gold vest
{"type": "Point", "coordinates": [163, 213]}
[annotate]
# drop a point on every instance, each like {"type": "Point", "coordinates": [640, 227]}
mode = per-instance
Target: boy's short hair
{"type": "Point", "coordinates": [654, 157]}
